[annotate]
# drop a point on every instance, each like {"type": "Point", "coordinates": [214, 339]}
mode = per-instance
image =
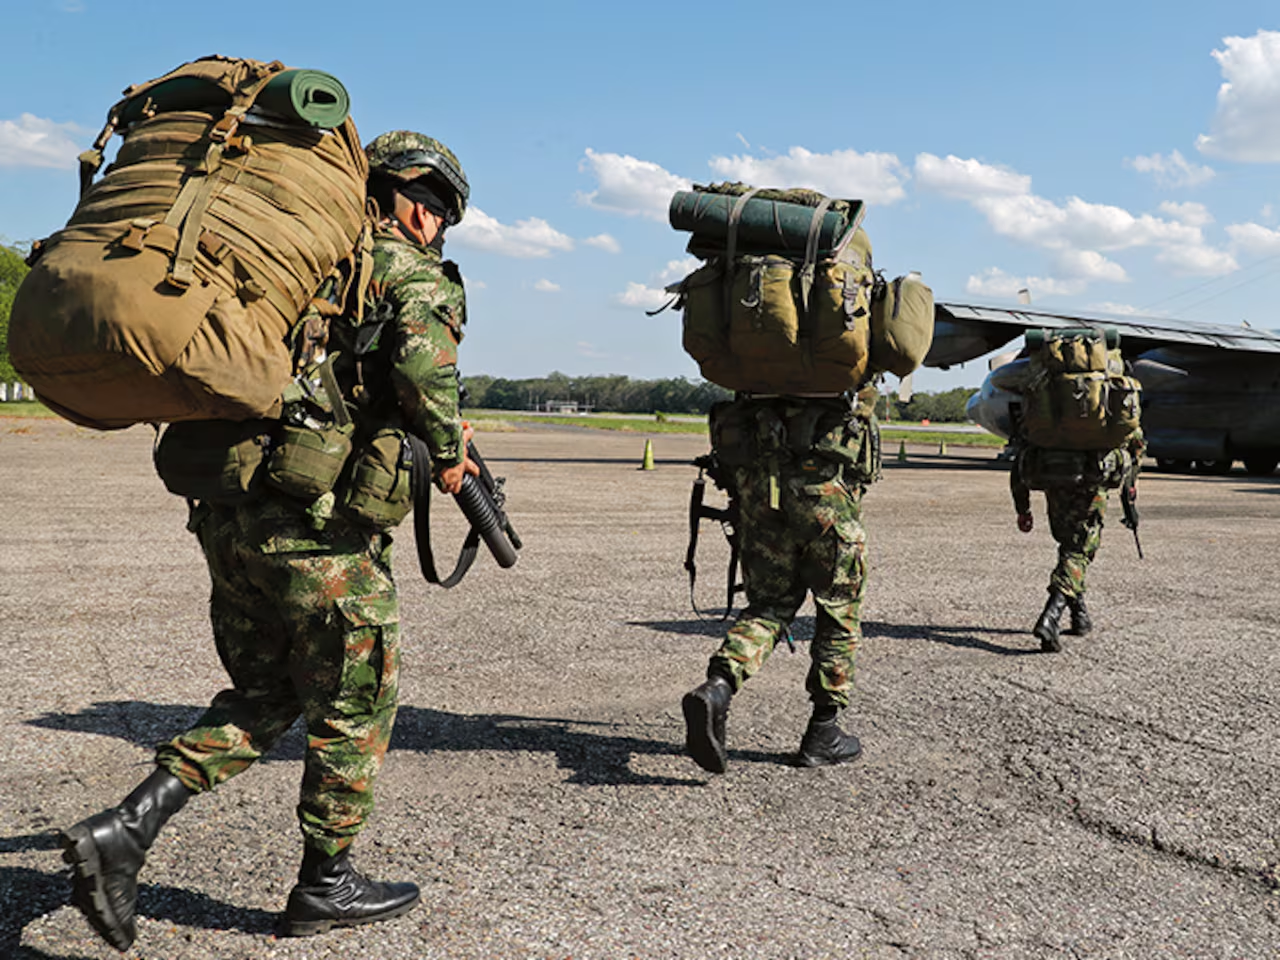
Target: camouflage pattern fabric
{"type": "Point", "coordinates": [1075, 519]}
{"type": "Point", "coordinates": [306, 624]}
{"type": "Point", "coordinates": [429, 304]}
{"type": "Point", "coordinates": [813, 541]}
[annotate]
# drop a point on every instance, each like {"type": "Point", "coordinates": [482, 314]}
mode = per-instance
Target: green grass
{"type": "Point", "coordinates": [637, 423]}
{"type": "Point", "coordinates": [25, 408]}
{"type": "Point", "coordinates": [933, 437]}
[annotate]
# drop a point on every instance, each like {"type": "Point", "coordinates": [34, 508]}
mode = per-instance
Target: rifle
{"type": "Point", "coordinates": [728, 518]}
{"type": "Point", "coordinates": [481, 500]}
{"type": "Point", "coordinates": [1128, 502]}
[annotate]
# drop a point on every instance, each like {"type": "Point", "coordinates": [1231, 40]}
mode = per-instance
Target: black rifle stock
{"type": "Point", "coordinates": [727, 517]}
{"type": "Point", "coordinates": [1128, 502]}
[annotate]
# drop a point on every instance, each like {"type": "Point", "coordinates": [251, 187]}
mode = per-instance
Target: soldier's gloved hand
{"type": "Point", "coordinates": [1026, 522]}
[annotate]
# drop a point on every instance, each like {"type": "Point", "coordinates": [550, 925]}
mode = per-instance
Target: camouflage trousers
{"type": "Point", "coordinates": [1075, 519]}
{"type": "Point", "coordinates": [812, 542]}
{"type": "Point", "coordinates": [306, 624]}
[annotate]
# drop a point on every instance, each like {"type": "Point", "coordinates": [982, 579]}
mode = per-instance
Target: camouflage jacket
{"type": "Point", "coordinates": [410, 373]}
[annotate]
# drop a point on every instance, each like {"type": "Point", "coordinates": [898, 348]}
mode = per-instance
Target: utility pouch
{"type": "Point", "coordinates": [220, 461]}
{"type": "Point", "coordinates": [854, 443]}
{"type": "Point", "coordinates": [733, 433]}
{"type": "Point", "coordinates": [308, 456]}
{"type": "Point", "coordinates": [378, 487]}
{"type": "Point", "coordinates": [1045, 468]}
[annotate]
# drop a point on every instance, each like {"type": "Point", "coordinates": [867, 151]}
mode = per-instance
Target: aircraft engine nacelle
{"type": "Point", "coordinates": [989, 408]}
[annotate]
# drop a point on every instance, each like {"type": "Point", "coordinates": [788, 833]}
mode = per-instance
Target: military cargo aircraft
{"type": "Point", "coordinates": [1210, 393]}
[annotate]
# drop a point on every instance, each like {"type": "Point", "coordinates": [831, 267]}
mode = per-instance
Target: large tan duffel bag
{"type": "Point", "coordinates": [171, 292]}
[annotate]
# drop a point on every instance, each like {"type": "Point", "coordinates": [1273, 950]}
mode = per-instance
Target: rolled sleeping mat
{"type": "Point", "coordinates": [310, 97]}
{"type": "Point", "coordinates": [771, 225]}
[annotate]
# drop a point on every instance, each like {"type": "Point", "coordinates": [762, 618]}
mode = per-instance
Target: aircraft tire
{"type": "Point", "coordinates": [1262, 465]}
{"type": "Point", "coordinates": [1215, 468]}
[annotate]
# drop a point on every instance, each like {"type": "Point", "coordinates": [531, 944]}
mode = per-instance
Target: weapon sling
{"type": "Point", "coordinates": [422, 522]}
{"type": "Point", "coordinates": [727, 515]}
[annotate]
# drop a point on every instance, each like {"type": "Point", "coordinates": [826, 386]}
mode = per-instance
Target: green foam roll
{"type": "Point", "coordinates": [313, 97]}
{"type": "Point", "coordinates": [309, 97]}
{"type": "Point", "coordinates": [765, 223]}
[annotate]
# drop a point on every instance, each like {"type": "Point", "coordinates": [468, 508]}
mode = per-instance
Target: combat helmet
{"type": "Point", "coordinates": [407, 156]}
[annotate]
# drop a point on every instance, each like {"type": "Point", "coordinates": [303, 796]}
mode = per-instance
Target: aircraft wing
{"type": "Point", "coordinates": [966, 331]}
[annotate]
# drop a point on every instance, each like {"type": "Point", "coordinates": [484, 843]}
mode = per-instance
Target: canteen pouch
{"type": "Point", "coordinates": [378, 487]}
{"type": "Point", "coordinates": [220, 461]}
{"type": "Point", "coordinates": [308, 457]}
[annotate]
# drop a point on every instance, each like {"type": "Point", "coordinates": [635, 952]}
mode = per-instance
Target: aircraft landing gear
{"type": "Point", "coordinates": [1262, 465]}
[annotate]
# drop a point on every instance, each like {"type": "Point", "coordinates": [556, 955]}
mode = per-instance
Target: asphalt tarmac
{"type": "Point", "coordinates": [1118, 799]}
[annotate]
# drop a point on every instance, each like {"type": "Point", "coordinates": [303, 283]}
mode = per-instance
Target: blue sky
{"type": "Point", "coordinates": [1117, 156]}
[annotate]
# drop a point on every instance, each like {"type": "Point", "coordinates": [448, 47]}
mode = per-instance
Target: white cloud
{"type": "Point", "coordinates": [968, 179]}
{"type": "Point", "coordinates": [678, 270]}
{"type": "Point", "coordinates": [586, 349]}
{"type": "Point", "coordinates": [473, 284]}
{"type": "Point", "coordinates": [1198, 259]}
{"type": "Point", "coordinates": [525, 240]}
{"type": "Point", "coordinates": [873, 177]}
{"type": "Point", "coordinates": [1076, 231]}
{"type": "Point", "coordinates": [1254, 239]}
{"type": "Point", "coordinates": [1172, 171]}
{"type": "Point", "coordinates": [1192, 214]}
{"type": "Point", "coordinates": [650, 298]}
{"type": "Point", "coordinates": [994, 282]}
{"type": "Point", "coordinates": [603, 241]}
{"type": "Point", "coordinates": [640, 295]}
{"type": "Point", "coordinates": [32, 141]}
{"type": "Point", "coordinates": [1246, 126]}
{"type": "Point", "coordinates": [1089, 265]}
{"type": "Point", "coordinates": [630, 186]}
{"type": "Point", "coordinates": [546, 286]}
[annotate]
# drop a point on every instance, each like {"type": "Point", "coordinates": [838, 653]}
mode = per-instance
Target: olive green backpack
{"type": "Point", "coordinates": [787, 301]}
{"type": "Point", "coordinates": [169, 295]}
{"type": "Point", "coordinates": [1077, 395]}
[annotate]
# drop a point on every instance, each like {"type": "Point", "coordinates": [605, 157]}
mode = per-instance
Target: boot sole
{"type": "Point", "coordinates": [700, 739]}
{"type": "Point", "coordinates": [1049, 644]}
{"type": "Point", "coordinates": [87, 892]}
{"type": "Point", "coordinates": [809, 760]}
{"type": "Point", "coordinates": [310, 928]}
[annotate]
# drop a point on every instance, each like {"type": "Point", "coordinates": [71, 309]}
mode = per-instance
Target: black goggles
{"type": "Point", "coordinates": [419, 191]}
{"type": "Point", "coordinates": [436, 161]}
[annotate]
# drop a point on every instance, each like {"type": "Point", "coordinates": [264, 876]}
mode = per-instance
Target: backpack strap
{"type": "Point", "coordinates": [808, 269]}
{"type": "Point", "coordinates": [187, 213]}
{"type": "Point", "coordinates": [731, 248]}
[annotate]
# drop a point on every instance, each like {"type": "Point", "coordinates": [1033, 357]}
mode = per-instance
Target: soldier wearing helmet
{"type": "Point", "coordinates": [304, 607]}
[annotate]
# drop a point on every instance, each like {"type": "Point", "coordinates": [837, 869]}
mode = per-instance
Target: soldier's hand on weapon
{"type": "Point", "coordinates": [449, 480]}
{"type": "Point", "coordinates": [1025, 522]}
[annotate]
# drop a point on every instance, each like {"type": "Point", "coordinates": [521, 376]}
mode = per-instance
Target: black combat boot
{"type": "Point", "coordinates": [1081, 623]}
{"type": "Point", "coordinates": [1046, 628]}
{"type": "Point", "coordinates": [824, 743]}
{"type": "Point", "coordinates": [331, 893]}
{"type": "Point", "coordinates": [107, 851]}
{"type": "Point", "coordinates": [705, 710]}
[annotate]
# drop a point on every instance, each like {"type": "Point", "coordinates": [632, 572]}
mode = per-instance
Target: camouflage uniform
{"type": "Point", "coordinates": [1076, 513]}
{"type": "Point", "coordinates": [801, 525]}
{"type": "Point", "coordinates": [304, 607]}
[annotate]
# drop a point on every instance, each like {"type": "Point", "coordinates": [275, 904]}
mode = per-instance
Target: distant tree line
{"type": "Point", "coordinates": [12, 269]}
{"type": "Point", "coordinates": [610, 394]}
{"type": "Point", "coordinates": [945, 407]}
{"type": "Point", "coordinates": [620, 394]}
